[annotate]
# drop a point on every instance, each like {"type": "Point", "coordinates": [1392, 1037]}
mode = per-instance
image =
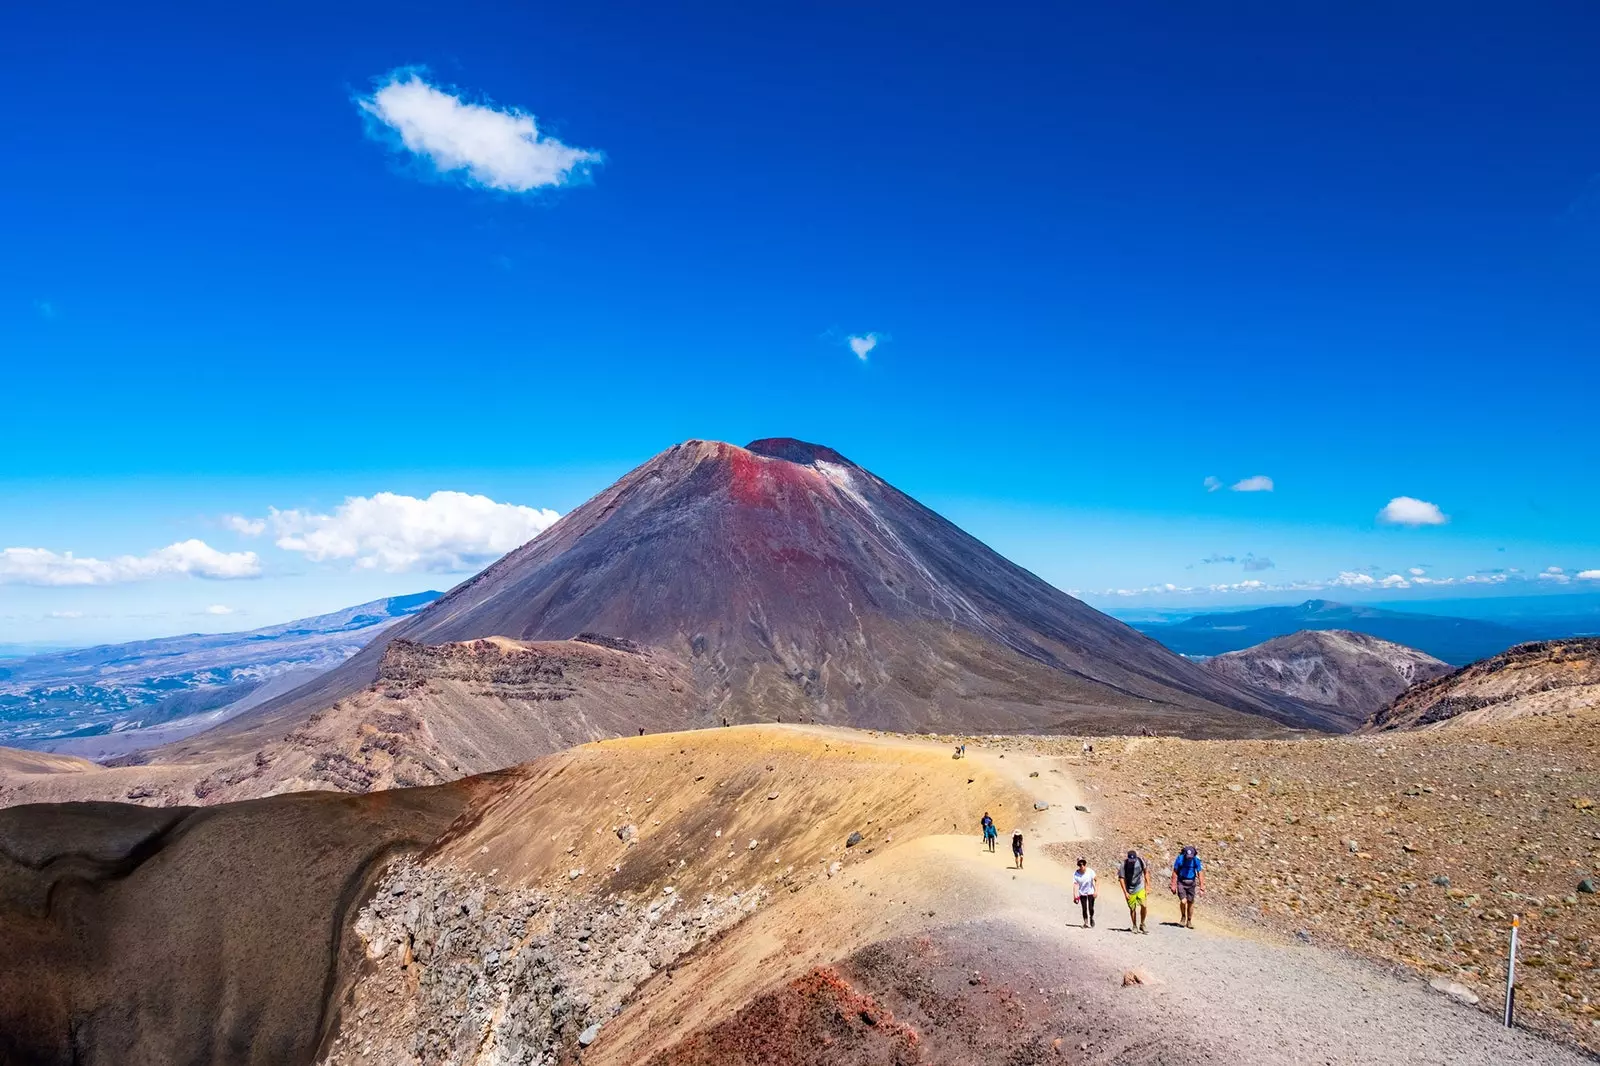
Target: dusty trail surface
{"type": "Point", "coordinates": [984, 963]}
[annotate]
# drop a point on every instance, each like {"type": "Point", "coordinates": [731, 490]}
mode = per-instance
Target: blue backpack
{"type": "Point", "coordinates": [1186, 866]}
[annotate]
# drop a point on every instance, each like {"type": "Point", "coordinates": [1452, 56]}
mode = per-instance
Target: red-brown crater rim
{"type": "Point", "coordinates": [796, 451]}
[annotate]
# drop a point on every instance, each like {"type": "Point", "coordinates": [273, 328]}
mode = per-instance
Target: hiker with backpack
{"type": "Point", "coordinates": [1016, 847]}
{"type": "Point", "coordinates": [1131, 876]}
{"type": "Point", "coordinates": [990, 833]}
{"type": "Point", "coordinates": [1188, 878]}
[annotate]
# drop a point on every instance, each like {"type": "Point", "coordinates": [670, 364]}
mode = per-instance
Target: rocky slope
{"type": "Point", "coordinates": [797, 585]}
{"type": "Point", "coordinates": [1354, 671]}
{"type": "Point", "coordinates": [1414, 847]}
{"type": "Point", "coordinates": [109, 700]}
{"type": "Point", "coordinates": [1547, 677]}
{"type": "Point", "coordinates": [434, 714]}
{"type": "Point", "coordinates": [192, 936]}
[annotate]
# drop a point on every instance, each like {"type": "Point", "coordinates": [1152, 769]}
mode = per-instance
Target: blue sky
{"type": "Point", "coordinates": [1105, 254]}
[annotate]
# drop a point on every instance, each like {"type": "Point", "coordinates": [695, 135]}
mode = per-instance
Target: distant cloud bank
{"type": "Point", "coordinates": [491, 147]}
{"type": "Point", "coordinates": [187, 558]}
{"type": "Point", "coordinates": [447, 531]}
{"type": "Point", "coordinates": [1408, 511]}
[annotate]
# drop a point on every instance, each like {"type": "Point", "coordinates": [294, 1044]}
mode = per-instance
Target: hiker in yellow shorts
{"type": "Point", "coordinates": [1131, 876]}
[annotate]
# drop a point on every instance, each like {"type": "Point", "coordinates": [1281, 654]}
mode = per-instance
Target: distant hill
{"type": "Point", "coordinates": [1545, 677]}
{"type": "Point", "coordinates": [1337, 667]}
{"type": "Point", "coordinates": [1457, 641]}
{"type": "Point", "coordinates": [115, 698]}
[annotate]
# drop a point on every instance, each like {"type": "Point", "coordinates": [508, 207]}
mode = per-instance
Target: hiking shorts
{"type": "Point", "coordinates": [1185, 891]}
{"type": "Point", "coordinates": [1136, 899]}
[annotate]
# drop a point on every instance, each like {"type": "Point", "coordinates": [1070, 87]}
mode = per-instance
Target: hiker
{"type": "Point", "coordinates": [1131, 878]}
{"type": "Point", "coordinates": [1016, 847]}
{"type": "Point", "coordinates": [1188, 878]}
{"type": "Point", "coordinates": [1083, 890]}
{"type": "Point", "coordinates": [989, 831]}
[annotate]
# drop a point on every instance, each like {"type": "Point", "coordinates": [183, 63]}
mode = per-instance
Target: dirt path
{"type": "Point", "coordinates": [1232, 988]}
{"type": "Point", "coordinates": [1221, 993]}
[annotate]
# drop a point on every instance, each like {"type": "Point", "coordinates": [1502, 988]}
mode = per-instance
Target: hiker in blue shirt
{"type": "Point", "coordinates": [990, 833]}
{"type": "Point", "coordinates": [1188, 878]}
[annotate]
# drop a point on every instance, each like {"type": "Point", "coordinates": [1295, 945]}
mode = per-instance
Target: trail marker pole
{"type": "Point", "coordinates": [1511, 969]}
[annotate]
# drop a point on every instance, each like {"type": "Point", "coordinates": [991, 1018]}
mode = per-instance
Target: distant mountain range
{"type": "Point", "coordinates": [103, 701]}
{"type": "Point", "coordinates": [1457, 641]}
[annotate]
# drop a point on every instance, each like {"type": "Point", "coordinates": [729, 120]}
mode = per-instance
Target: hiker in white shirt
{"type": "Point", "coordinates": [1083, 890]}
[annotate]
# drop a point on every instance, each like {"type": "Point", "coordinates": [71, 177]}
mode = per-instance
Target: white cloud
{"type": "Point", "coordinates": [1555, 575]}
{"type": "Point", "coordinates": [1353, 579]}
{"type": "Point", "coordinates": [219, 608]}
{"type": "Point", "coordinates": [66, 614]}
{"type": "Point", "coordinates": [862, 343]}
{"type": "Point", "coordinates": [497, 148]}
{"type": "Point", "coordinates": [1408, 511]}
{"type": "Point", "coordinates": [447, 531]}
{"type": "Point", "coordinates": [1394, 581]}
{"type": "Point", "coordinates": [1258, 483]}
{"type": "Point", "coordinates": [1417, 571]}
{"type": "Point", "coordinates": [1589, 575]}
{"type": "Point", "coordinates": [250, 527]}
{"type": "Point", "coordinates": [192, 558]}
{"type": "Point", "coordinates": [1213, 484]}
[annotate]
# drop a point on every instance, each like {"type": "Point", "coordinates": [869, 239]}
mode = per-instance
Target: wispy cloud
{"type": "Point", "coordinates": [1256, 563]}
{"type": "Point", "coordinates": [1409, 511]}
{"type": "Point", "coordinates": [1215, 558]}
{"type": "Point", "coordinates": [1258, 483]}
{"type": "Point", "coordinates": [250, 527]}
{"type": "Point", "coordinates": [1213, 484]}
{"type": "Point", "coordinates": [188, 558]}
{"type": "Point", "coordinates": [46, 309]}
{"type": "Point", "coordinates": [1555, 575]}
{"type": "Point", "coordinates": [492, 147]}
{"type": "Point", "coordinates": [862, 344]}
{"type": "Point", "coordinates": [219, 608]}
{"type": "Point", "coordinates": [447, 531]}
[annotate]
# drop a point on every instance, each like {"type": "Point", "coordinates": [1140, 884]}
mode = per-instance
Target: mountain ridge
{"type": "Point", "coordinates": [108, 699]}
{"type": "Point", "coordinates": [1337, 667]}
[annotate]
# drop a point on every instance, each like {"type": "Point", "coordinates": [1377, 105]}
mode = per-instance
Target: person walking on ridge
{"type": "Point", "coordinates": [1188, 878]}
{"type": "Point", "coordinates": [1016, 847]}
{"type": "Point", "coordinates": [990, 833]}
{"type": "Point", "coordinates": [1083, 890]}
{"type": "Point", "coordinates": [1132, 879]}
